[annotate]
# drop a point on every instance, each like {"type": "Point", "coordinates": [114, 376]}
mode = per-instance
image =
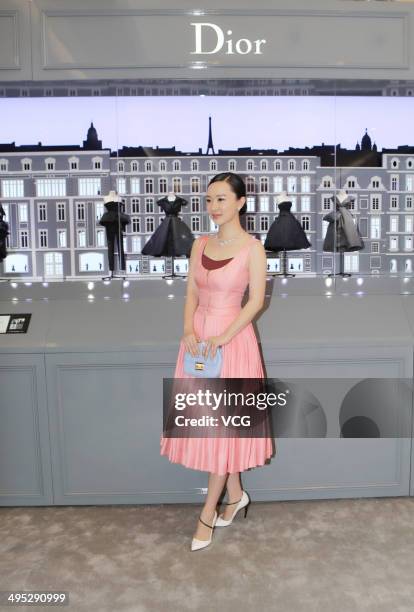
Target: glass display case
{"type": "Point", "coordinates": [341, 152]}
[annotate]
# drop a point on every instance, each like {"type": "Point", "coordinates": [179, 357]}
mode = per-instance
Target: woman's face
{"type": "Point", "coordinates": [222, 202]}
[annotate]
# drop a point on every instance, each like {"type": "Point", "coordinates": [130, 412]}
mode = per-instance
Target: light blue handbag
{"type": "Point", "coordinates": [209, 367]}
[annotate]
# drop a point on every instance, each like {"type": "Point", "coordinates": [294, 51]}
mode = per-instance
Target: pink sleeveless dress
{"type": "Point", "coordinates": [221, 286]}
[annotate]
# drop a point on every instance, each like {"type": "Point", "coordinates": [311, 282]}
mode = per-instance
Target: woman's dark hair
{"type": "Point", "coordinates": [237, 186]}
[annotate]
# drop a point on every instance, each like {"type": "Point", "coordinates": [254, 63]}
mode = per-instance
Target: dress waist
{"type": "Point", "coordinates": [220, 310]}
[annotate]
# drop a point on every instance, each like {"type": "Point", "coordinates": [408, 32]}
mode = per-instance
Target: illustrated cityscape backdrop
{"type": "Point", "coordinates": [53, 199]}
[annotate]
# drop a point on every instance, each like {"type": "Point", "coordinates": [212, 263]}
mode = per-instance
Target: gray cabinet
{"type": "Point", "coordinates": [25, 461]}
{"type": "Point", "coordinates": [105, 424]}
{"type": "Point", "coordinates": [82, 392]}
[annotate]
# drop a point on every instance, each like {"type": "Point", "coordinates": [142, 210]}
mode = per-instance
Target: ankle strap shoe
{"type": "Point", "coordinates": [243, 502]}
{"type": "Point", "coordinates": [199, 544]}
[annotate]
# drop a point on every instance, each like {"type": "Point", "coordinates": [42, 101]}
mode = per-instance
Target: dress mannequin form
{"type": "Point", "coordinates": [4, 231]}
{"type": "Point", "coordinates": [112, 197]}
{"type": "Point", "coordinates": [282, 197]}
{"type": "Point", "coordinates": [341, 196]}
{"type": "Point", "coordinates": [342, 234]}
{"type": "Point", "coordinates": [114, 221]}
{"type": "Point", "coordinates": [172, 237]}
{"type": "Point", "coordinates": [285, 233]}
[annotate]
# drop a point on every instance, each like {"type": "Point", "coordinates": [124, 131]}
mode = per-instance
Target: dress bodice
{"type": "Point", "coordinates": [171, 207]}
{"type": "Point", "coordinates": [284, 208]}
{"type": "Point", "coordinates": [222, 286]}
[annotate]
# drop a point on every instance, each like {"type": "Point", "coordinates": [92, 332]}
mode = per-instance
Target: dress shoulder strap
{"type": "Point", "coordinates": [203, 240]}
{"type": "Point", "coordinates": [252, 241]}
{"type": "Point", "coordinates": [249, 246]}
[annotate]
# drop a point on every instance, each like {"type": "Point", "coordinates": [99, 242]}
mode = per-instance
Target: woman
{"type": "Point", "coordinates": [220, 268]}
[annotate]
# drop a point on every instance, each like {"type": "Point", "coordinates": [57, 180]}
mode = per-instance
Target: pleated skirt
{"type": "Point", "coordinates": [241, 359]}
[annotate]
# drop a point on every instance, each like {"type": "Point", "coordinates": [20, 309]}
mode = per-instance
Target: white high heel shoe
{"type": "Point", "coordinates": [198, 544]}
{"type": "Point", "coordinates": [242, 503]}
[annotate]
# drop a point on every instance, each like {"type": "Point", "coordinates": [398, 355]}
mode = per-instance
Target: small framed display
{"type": "Point", "coordinates": [16, 323]}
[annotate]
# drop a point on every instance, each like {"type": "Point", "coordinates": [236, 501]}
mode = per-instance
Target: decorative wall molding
{"type": "Point", "coordinates": [303, 40]}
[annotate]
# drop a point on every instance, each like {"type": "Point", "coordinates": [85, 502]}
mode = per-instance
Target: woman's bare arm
{"type": "Point", "coordinates": [191, 300]}
{"type": "Point", "coordinates": [257, 287]}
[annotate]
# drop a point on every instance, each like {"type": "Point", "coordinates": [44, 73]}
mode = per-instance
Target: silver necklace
{"type": "Point", "coordinates": [223, 242]}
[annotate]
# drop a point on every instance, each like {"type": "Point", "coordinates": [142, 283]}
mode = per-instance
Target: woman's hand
{"type": "Point", "coordinates": [190, 341]}
{"type": "Point", "coordinates": [212, 343]}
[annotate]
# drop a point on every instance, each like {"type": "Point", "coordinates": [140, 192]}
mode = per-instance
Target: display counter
{"type": "Point", "coordinates": [82, 390]}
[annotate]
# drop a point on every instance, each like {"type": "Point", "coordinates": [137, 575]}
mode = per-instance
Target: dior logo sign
{"type": "Point", "coordinates": [242, 46]}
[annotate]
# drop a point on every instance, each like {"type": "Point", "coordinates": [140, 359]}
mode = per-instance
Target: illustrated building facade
{"type": "Point", "coordinates": [53, 199]}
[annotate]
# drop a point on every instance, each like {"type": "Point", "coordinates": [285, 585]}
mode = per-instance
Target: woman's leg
{"type": "Point", "coordinates": [216, 484]}
{"type": "Point", "coordinates": [234, 493]}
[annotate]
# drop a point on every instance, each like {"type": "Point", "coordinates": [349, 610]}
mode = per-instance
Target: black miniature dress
{"type": "Point", "coordinates": [286, 233]}
{"type": "Point", "coordinates": [172, 237]}
{"type": "Point", "coordinates": [115, 221]}
{"type": "Point", "coordinates": [4, 231]}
